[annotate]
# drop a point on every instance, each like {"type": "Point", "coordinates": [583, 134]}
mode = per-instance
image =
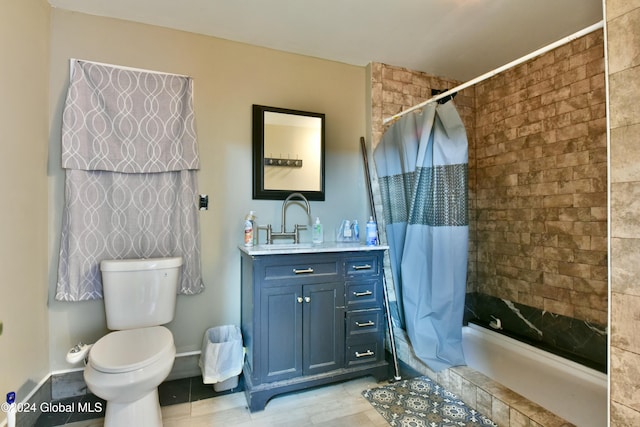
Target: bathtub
{"type": "Point", "coordinates": [570, 390]}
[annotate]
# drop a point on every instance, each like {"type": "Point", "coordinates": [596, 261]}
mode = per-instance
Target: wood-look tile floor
{"type": "Point", "coordinates": [337, 405]}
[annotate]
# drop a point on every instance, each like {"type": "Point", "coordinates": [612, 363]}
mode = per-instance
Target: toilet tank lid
{"type": "Point", "coordinates": [140, 264]}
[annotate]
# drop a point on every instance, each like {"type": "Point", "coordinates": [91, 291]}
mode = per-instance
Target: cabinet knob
{"type": "Point", "coordinates": [307, 299]}
{"type": "Point", "coordinates": [299, 300]}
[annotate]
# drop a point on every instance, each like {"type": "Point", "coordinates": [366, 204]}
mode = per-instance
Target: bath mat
{"type": "Point", "coordinates": [420, 402]}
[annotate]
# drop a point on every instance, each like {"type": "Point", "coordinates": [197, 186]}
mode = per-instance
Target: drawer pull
{"type": "Point", "coordinates": [364, 325]}
{"type": "Point", "coordinates": [362, 294]}
{"type": "Point", "coordinates": [362, 267]}
{"type": "Point", "coordinates": [305, 271]}
{"type": "Point", "coordinates": [365, 354]}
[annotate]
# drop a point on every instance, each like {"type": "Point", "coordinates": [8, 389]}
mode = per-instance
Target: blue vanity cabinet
{"type": "Point", "coordinates": [302, 330]}
{"type": "Point", "coordinates": [296, 316]}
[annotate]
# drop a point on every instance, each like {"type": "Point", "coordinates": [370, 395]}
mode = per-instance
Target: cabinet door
{"type": "Point", "coordinates": [281, 323]}
{"type": "Point", "coordinates": [323, 324]}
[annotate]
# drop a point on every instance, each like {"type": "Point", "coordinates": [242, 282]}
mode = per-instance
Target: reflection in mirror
{"type": "Point", "coordinates": [288, 153]}
{"type": "Point", "coordinates": [292, 152]}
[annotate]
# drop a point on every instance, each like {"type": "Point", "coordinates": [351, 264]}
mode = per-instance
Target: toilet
{"type": "Point", "coordinates": [126, 366]}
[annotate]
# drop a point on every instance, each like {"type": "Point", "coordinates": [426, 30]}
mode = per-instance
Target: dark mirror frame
{"type": "Point", "coordinates": [259, 192]}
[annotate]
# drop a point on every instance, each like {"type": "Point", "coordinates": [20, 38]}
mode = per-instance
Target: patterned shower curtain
{"type": "Point", "coordinates": [130, 156]}
{"type": "Point", "coordinates": [422, 167]}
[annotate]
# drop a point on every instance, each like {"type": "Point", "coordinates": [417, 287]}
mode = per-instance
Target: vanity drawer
{"type": "Point", "coordinates": [306, 268]}
{"type": "Point", "coordinates": [365, 351]}
{"type": "Point", "coordinates": [364, 294]}
{"type": "Point", "coordinates": [364, 322]}
{"type": "Point", "coordinates": [362, 265]}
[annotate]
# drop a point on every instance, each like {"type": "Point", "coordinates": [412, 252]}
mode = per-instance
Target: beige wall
{"type": "Point", "coordinates": [623, 44]}
{"type": "Point", "coordinates": [229, 77]}
{"type": "Point", "coordinates": [24, 47]}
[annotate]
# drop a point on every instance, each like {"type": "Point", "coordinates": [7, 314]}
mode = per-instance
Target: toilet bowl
{"type": "Point", "coordinates": [126, 366]}
{"type": "Point", "coordinates": [125, 369]}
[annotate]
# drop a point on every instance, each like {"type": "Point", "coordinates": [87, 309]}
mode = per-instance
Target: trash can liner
{"type": "Point", "coordinates": [222, 354]}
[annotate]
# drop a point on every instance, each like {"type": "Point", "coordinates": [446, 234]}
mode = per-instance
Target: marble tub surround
{"type": "Point", "coordinates": [504, 406]}
{"type": "Point", "coordinates": [574, 339]}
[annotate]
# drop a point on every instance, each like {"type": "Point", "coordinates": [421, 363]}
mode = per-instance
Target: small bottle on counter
{"type": "Point", "coordinates": [317, 233]}
{"type": "Point", "coordinates": [356, 231]}
{"type": "Point", "coordinates": [249, 228]}
{"type": "Point", "coordinates": [372, 232]}
{"type": "Point", "coordinates": [347, 233]}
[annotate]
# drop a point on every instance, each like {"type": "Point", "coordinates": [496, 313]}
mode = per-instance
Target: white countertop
{"type": "Point", "coordinates": [308, 248]}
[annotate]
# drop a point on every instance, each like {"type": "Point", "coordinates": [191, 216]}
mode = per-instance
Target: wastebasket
{"type": "Point", "coordinates": [222, 357]}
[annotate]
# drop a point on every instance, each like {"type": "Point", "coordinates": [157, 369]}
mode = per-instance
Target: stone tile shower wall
{"type": "Point", "coordinates": [537, 188]}
{"type": "Point", "coordinates": [623, 44]}
{"type": "Point", "coordinates": [542, 182]}
{"type": "Point", "coordinates": [541, 206]}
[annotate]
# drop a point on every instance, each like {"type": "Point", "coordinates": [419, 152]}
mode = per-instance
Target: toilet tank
{"type": "Point", "coordinates": [140, 292]}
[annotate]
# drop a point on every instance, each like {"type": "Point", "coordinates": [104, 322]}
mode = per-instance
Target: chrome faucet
{"type": "Point", "coordinates": [283, 228]}
{"type": "Point", "coordinates": [295, 234]}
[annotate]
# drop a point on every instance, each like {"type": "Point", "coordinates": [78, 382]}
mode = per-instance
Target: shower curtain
{"type": "Point", "coordinates": [130, 156]}
{"type": "Point", "coordinates": [422, 168]}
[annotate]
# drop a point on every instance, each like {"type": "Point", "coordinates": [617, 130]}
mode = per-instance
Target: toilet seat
{"type": "Point", "coordinates": [132, 349]}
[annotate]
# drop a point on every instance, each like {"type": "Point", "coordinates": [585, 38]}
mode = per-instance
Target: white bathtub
{"type": "Point", "coordinates": [568, 389]}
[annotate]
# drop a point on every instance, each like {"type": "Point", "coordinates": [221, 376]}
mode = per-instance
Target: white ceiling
{"type": "Point", "coordinates": [459, 39]}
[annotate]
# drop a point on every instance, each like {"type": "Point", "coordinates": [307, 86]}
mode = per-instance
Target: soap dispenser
{"type": "Point", "coordinates": [317, 235]}
{"type": "Point", "coordinates": [250, 232]}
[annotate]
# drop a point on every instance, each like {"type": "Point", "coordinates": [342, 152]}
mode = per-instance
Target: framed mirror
{"type": "Point", "coordinates": [288, 153]}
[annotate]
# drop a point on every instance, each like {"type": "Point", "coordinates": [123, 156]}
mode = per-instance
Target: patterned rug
{"type": "Point", "coordinates": [420, 402]}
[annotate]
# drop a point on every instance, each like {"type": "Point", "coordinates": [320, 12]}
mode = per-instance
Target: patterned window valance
{"type": "Point", "coordinates": [123, 120]}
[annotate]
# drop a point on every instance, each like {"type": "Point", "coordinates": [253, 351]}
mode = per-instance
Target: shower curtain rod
{"type": "Point", "coordinates": [492, 73]}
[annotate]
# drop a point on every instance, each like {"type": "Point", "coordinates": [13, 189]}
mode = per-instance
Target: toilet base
{"type": "Point", "coordinates": [144, 412]}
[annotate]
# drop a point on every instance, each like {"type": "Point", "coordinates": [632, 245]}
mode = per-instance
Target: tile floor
{"type": "Point", "coordinates": [334, 405]}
